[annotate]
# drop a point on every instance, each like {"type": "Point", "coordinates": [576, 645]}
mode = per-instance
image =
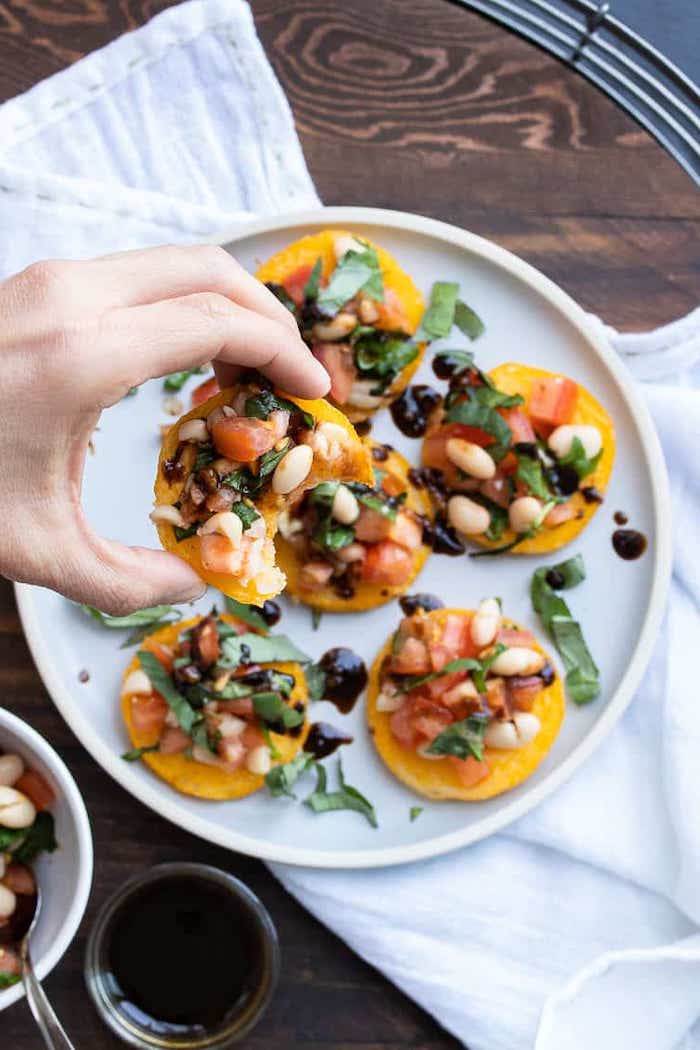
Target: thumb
{"type": "Point", "coordinates": [119, 580]}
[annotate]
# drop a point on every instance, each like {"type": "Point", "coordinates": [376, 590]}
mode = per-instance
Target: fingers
{"type": "Point", "coordinates": [139, 277]}
{"type": "Point", "coordinates": [143, 342]}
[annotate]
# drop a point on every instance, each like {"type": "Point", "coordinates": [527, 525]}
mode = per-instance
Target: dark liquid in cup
{"type": "Point", "coordinates": [184, 957]}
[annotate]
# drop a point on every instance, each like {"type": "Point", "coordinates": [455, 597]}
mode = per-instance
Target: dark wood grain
{"type": "Point", "coordinates": [417, 105]}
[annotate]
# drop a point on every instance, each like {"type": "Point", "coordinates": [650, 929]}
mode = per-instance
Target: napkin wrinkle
{"type": "Point", "coordinates": [180, 130]}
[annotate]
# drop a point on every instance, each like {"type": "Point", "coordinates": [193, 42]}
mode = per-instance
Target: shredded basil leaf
{"type": "Point", "coordinates": [356, 271]}
{"type": "Point", "coordinates": [249, 484]}
{"type": "Point", "coordinates": [176, 380]}
{"type": "Point", "coordinates": [144, 621]}
{"type": "Point", "coordinates": [247, 613]}
{"type": "Point", "coordinates": [474, 414]}
{"type": "Point", "coordinates": [333, 536]}
{"type": "Point", "coordinates": [281, 293]}
{"type": "Point", "coordinates": [260, 405]}
{"type": "Point", "coordinates": [163, 684]}
{"type": "Point", "coordinates": [8, 979]}
{"type": "Point", "coordinates": [577, 459]}
{"type": "Point", "coordinates": [387, 506]}
{"type": "Point", "coordinates": [312, 285]}
{"type": "Point", "coordinates": [462, 739]}
{"type": "Point", "coordinates": [39, 838]}
{"type": "Point", "coordinates": [493, 398]}
{"type": "Point", "coordinates": [206, 454]}
{"type": "Point", "coordinates": [382, 356]}
{"type": "Point", "coordinates": [245, 512]}
{"type": "Point", "coordinates": [315, 682]}
{"type": "Point", "coordinates": [440, 316]}
{"type": "Point", "coordinates": [316, 616]}
{"type": "Point", "coordinates": [138, 752]}
{"type": "Point", "coordinates": [272, 709]}
{"type": "Point", "coordinates": [461, 360]}
{"type": "Point", "coordinates": [344, 797]}
{"type": "Point", "coordinates": [185, 534]}
{"type": "Point", "coordinates": [530, 472]}
{"type": "Point", "coordinates": [582, 676]}
{"type": "Point", "coordinates": [281, 779]}
{"type": "Point", "coordinates": [259, 649]}
{"type": "Point", "coordinates": [415, 812]}
{"type": "Point", "coordinates": [468, 321]}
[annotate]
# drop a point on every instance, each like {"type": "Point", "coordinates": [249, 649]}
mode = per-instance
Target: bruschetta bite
{"type": "Point", "coordinates": [351, 547]}
{"type": "Point", "coordinates": [208, 717]}
{"type": "Point", "coordinates": [231, 465]}
{"type": "Point", "coordinates": [520, 457]}
{"type": "Point", "coordinates": [463, 704]}
{"type": "Point", "coordinates": [358, 312]}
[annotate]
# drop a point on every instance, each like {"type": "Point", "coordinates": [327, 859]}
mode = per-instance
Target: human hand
{"type": "Point", "coordinates": [75, 337]}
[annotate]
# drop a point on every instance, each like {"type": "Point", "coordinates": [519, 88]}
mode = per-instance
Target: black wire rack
{"type": "Point", "coordinates": [586, 36]}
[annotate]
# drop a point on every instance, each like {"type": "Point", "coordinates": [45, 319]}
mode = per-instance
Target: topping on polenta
{"type": "Point", "coordinates": [211, 708]}
{"type": "Point", "coordinates": [349, 547]}
{"type": "Point", "coordinates": [357, 311]}
{"type": "Point", "coordinates": [462, 704]}
{"type": "Point", "coordinates": [229, 467]}
{"type": "Point", "coordinates": [515, 454]}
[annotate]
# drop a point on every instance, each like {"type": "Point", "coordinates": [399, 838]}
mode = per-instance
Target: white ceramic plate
{"type": "Point", "coordinates": [620, 604]}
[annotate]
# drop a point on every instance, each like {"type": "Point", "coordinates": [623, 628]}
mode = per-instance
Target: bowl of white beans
{"type": "Point", "coordinates": [40, 805]}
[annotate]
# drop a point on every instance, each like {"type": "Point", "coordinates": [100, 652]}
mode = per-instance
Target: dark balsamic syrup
{"type": "Point", "coordinates": [413, 408]}
{"type": "Point", "coordinates": [324, 739]}
{"type": "Point", "coordinates": [270, 612]}
{"type": "Point", "coordinates": [346, 677]}
{"type": "Point", "coordinates": [591, 494]}
{"type": "Point", "coordinates": [184, 957]}
{"type": "Point", "coordinates": [555, 579]}
{"type": "Point", "coordinates": [629, 543]}
{"type": "Point", "coordinates": [620, 518]}
{"type": "Point", "coordinates": [364, 427]}
{"type": "Point", "coordinates": [443, 538]}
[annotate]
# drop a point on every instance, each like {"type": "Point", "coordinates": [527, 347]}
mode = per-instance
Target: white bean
{"type": "Point", "coordinates": [291, 471]}
{"type": "Point", "coordinates": [465, 690]}
{"type": "Point", "coordinates": [258, 760]}
{"type": "Point", "coordinates": [387, 702]}
{"type": "Point", "coordinates": [165, 513]}
{"type": "Point", "coordinates": [485, 623]}
{"type": "Point", "coordinates": [334, 330]}
{"type": "Point", "coordinates": [466, 516]}
{"type": "Point", "coordinates": [11, 769]}
{"type": "Point", "coordinates": [523, 513]}
{"type": "Point", "coordinates": [561, 439]}
{"type": "Point", "coordinates": [470, 458]}
{"type": "Point", "coordinates": [16, 810]}
{"type": "Point", "coordinates": [503, 735]}
{"type": "Point", "coordinates": [360, 396]}
{"type": "Point", "coordinates": [527, 726]}
{"type": "Point", "coordinates": [518, 661]}
{"type": "Point", "coordinates": [226, 523]}
{"type": "Point", "coordinates": [344, 243]}
{"type": "Point", "coordinates": [345, 507]}
{"type": "Point", "coordinates": [8, 902]}
{"type": "Point", "coordinates": [230, 725]}
{"type": "Point", "coordinates": [138, 683]}
{"type": "Point", "coordinates": [194, 430]}
{"type": "Point", "coordinates": [367, 310]}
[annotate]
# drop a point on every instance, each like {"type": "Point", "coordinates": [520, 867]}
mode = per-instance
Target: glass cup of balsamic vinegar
{"type": "Point", "coordinates": [184, 957]}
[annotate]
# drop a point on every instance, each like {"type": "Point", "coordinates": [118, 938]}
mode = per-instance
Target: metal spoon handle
{"type": "Point", "coordinates": [49, 1025]}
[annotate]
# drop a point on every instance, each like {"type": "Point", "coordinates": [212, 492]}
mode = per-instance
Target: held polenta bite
{"type": "Point", "coordinates": [462, 704]}
{"type": "Point", "coordinates": [349, 547]}
{"type": "Point", "coordinates": [210, 707]}
{"type": "Point", "coordinates": [229, 467]}
{"type": "Point", "coordinates": [518, 458]}
{"type": "Point", "coordinates": [357, 311]}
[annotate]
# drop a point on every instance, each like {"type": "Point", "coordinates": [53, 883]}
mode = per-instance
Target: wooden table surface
{"type": "Point", "coordinates": [421, 106]}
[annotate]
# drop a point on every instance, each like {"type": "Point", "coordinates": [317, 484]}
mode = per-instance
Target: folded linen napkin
{"type": "Point", "coordinates": [588, 932]}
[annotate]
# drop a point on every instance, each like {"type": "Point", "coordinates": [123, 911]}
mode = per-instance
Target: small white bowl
{"type": "Point", "coordinates": [66, 875]}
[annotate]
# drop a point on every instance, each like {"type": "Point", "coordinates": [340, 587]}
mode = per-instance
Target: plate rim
{"type": "Point", "coordinates": [589, 329]}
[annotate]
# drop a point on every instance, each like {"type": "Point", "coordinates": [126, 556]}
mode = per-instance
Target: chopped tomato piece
{"type": "Point", "coordinates": [163, 653]}
{"type": "Point", "coordinates": [411, 658]}
{"type": "Point", "coordinates": [295, 284]}
{"type": "Point", "coordinates": [469, 770]}
{"type": "Point", "coordinates": [315, 574]}
{"type": "Point", "coordinates": [371, 526]}
{"type": "Point", "coordinates": [515, 637]}
{"type": "Point", "coordinates": [337, 361]}
{"type": "Point", "coordinates": [219, 555]}
{"type": "Point", "coordinates": [36, 788]}
{"type": "Point", "coordinates": [454, 629]}
{"type": "Point", "coordinates": [148, 713]}
{"type": "Point", "coordinates": [496, 697]}
{"type": "Point", "coordinates": [429, 726]}
{"type": "Point", "coordinates": [552, 401]}
{"type": "Point", "coordinates": [507, 467]}
{"type": "Point", "coordinates": [559, 514]}
{"type": "Point", "coordinates": [391, 312]}
{"type": "Point", "coordinates": [387, 563]}
{"type": "Point", "coordinates": [204, 391]}
{"type": "Point", "coordinates": [19, 879]}
{"type": "Point", "coordinates": [252, 737]}
{"type": "Point", "coordinates": [243, 439]}
{"type": "Point", "coordinates": [520, 425]}
{"type": "Point", "coordinates": [401, 724]}
{"type": "Point", "coordinates": [173, 741]}
{"type": "Point", "coordinates": [523, 691]}
{"type": "Point", "coordinates": [406, 531]}
{"type": "Point", "coordinates": [205, 643]}
{"type": "Point", "coordinates": [10, 961]}
{"type": "Point", "coordinates": [439, 686]}
{"type": "Point", "coordinates": [241, 706]}
{"type": "Point", "coordinates": [434, 446]}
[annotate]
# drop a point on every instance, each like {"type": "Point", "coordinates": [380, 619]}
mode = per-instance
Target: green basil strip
{"type": "Point", "coordinates": [414, 812]}
{"type": "Point", "coordinates": [462, 739]}
{"type": "Point", "coordinates": [384, 357]}
{"type": "Point", "coordinates": [493, 398]}
{"type": "Point", "coordinates": [163, 684]}
{"type": "Point", "coordinates": [271, 708]}
{"type": "Point", "coordinates": [356, 271]}
{"type": "Point", "coordinates": [176, 380]}
{"type": "Point", "coordinates": [332, 535]}
{"type": "Point", "coordinates": [439, 317]}
{"type": "Point", "coordinates": [8, 979]}
{"type": "Point", "coordinates": [474, 414]}
{"type": "Point", "coordinates": [185, 534]}
{"type": "Point", "coordinates": [315, 682]}
{"type": "Point", "coordinates": [461, 360]}
{"type": "Point", "coordinates": [316, 617]}
{"type": "Point", "coordinates": [576, 457]}
{"type": "Point", "coordinates": [246, 513]}
{"type": "Point", "coordinates": [139, 752]}
{"type": "Point", "coordinates": [247, 613]}
{"type": "Point", "coordinates": [375, 500]}
{"type": "Point", "coordinates": [344, 797]}
{"type": "Point", "coordinates": [281, 779]}
{"type": "Point", "coordinates": [259, 649]}
{"type": "Point", "coordinates": [314, 280]}
{"type": "Point", "coordinates": [531, 474]}
{"type": "Point", "coordinates": [468, 322]}
{"type": "Point", "coordinates": [135, 619]}
{"type": "Point", "coordinates": [39, 838]}
{"type": "Point", "coordinates": [582, 675]}
{"type": "Point", "coordinates": [260, 405]}
{"type": "Point", "coordinates": [281, 293]}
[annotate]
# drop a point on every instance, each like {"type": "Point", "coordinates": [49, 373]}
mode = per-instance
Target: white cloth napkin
{"type": "Point", "coordinates": [578, 927]}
